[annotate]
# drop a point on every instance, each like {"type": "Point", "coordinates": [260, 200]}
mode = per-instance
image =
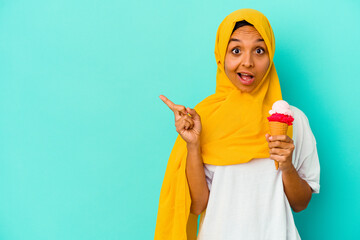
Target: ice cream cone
{"type": "Point", "coordinates": [280, 118]}
{"type": "Point", "coordinates": [278, 128]}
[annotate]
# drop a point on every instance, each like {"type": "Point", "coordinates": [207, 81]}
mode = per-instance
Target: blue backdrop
{"type": "Point", "coordinates": [85, 138]}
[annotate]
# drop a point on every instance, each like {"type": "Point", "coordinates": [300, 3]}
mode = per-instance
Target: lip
{"type": "Point", "coordinates": [246, 82]}
{"type": "Point", "coordinates": [249, 73]}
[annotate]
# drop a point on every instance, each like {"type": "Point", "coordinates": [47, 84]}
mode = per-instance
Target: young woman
{"type": "Point", "coordinates": [222, 163]}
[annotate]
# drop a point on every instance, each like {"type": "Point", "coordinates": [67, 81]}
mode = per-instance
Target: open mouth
{"type": "Point", "coordinates": [246, 79]}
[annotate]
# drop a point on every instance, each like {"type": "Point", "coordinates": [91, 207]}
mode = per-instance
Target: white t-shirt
{"type": "Point", "coordinates": [247, 201]}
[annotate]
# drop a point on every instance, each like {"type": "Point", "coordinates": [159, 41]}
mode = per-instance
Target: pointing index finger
{"type": "Point", "coordinates": [169, 103]}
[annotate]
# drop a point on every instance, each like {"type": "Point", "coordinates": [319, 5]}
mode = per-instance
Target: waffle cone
{"type": "Point", "coordinates": [278, 128]}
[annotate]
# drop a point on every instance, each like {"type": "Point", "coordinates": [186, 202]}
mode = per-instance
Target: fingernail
{"type": "Point", "coordinates": [270, 138]}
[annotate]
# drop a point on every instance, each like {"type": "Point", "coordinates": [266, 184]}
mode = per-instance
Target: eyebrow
{"type": "Point", "coordinates": [238, 40]}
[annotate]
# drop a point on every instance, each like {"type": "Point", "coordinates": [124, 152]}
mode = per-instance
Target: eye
{"type": "Point", "coordinates": [235, 51]}
{"type": "Point", "coordinates": [260, 51]}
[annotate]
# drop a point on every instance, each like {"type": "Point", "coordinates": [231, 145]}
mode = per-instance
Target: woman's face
{"type": "Point", "coordinates": [246, 58]}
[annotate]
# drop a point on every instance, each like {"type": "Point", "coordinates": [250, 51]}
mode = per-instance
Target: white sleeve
{"type": "Point", "coordinates": [305, 155]}
{"type": "Point", "coordinates": [310, 170]}
{"type": "Point", "coordinates": [209, 174]}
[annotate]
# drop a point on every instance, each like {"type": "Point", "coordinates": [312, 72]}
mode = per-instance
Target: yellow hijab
{"type": "Point", "coordinates": [234, 125]}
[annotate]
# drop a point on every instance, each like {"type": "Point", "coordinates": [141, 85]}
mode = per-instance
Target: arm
{"type": "Point", "coordinates": [189, 127]}
{"type": "Point", "coordinates": [297, 190]}
{"type": "Point", "coordinates": [196, 178]}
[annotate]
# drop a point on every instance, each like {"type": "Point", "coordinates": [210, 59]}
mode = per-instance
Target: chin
{"type": "Point", "coordinates": [244, 88]}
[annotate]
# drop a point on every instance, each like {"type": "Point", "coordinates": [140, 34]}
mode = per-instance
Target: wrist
{"type": "Point", "coordinates": [193, 146]}
{"type": "Point", "coordinates": [289, 170]}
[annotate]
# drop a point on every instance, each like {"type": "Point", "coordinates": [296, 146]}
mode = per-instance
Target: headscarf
{"type": "Point", "coordinates": [234, 125]}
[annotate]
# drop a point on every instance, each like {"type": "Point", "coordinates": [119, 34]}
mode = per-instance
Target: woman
{"type": "Point", "coordinates": [222, 163]}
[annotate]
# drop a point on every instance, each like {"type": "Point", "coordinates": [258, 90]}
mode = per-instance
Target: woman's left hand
{"type": "Point", "coordinates": [281, 149]}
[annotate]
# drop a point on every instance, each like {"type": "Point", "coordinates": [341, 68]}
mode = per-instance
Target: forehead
{"type": "Point", "coordinates": [246, 32]}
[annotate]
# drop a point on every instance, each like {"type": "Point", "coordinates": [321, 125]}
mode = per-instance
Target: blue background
{"type": "Point", "coordinates": [85, 138]}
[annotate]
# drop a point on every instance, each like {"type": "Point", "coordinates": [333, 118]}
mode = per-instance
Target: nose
{"type": "Point", "coordinates": [247, 60]}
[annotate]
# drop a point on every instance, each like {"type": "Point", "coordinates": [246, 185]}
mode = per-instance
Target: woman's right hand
{"type": "Point", "coordinates": [189, 127]}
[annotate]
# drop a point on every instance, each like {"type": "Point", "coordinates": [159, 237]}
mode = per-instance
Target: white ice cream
{"type": "Point", "coordinates": [282, 107]}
